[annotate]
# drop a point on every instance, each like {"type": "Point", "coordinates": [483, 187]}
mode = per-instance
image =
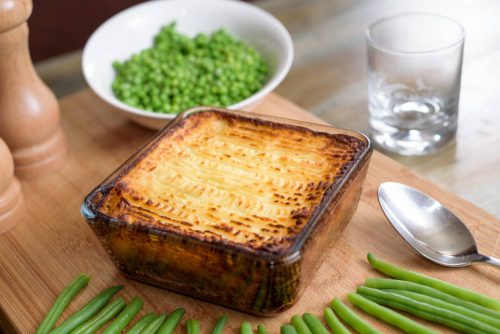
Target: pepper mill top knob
{"type": "Point", "coordinates": [29, 113]}
{"type": "Point", "coordinates": [14, 13]}
{"type": "Point", "coordinates": [11, 203]}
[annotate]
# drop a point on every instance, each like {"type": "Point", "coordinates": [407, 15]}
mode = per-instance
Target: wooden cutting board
{"type": "Point", "coordinates": [54, 244]}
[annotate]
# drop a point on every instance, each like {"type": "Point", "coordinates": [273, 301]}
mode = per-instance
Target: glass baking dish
{"type": "Point", "coordinates": [259, 283]}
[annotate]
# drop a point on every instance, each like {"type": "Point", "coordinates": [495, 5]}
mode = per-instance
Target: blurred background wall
{"type": "Point", "coordinates": [60, 26]}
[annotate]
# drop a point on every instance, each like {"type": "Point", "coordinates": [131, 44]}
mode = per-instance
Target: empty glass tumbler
{"type": "Point", "coordinates": [414, 68]}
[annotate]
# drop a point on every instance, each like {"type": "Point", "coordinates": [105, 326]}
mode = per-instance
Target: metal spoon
{"type": "Point", "coordinates": [429, 227]}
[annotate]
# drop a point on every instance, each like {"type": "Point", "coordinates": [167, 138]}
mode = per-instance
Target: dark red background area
{"type": "Point", "coordinates": [59, 26]}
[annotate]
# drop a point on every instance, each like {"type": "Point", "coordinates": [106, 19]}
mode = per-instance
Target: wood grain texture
{"type": "Point", "coordinates": [53, 244]}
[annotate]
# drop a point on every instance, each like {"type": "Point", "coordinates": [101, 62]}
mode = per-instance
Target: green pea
{"type": "Point", "coordinates": [178, 72]}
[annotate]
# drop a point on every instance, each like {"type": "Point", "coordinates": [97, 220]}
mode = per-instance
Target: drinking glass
{"type": "Point", "coordinates": [414, 69]}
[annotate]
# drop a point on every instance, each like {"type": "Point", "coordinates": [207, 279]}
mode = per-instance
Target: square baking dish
{"type": "Point", "coordinates": [254, 264]}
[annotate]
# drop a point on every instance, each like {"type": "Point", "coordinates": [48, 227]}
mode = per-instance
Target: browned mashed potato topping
{"type": "Point", "coordinates": [234, 180]}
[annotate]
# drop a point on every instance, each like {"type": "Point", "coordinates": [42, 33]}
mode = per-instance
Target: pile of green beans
{"type": "Point", "coordinates": [425, 297]}
{"type": "Point", "coordinates": [101, 310]}
{"type": "Point", "coordinates": [62, 301]}
{"type": "Point", "coordinates": [87, 312]}
{"type": "Point", "coordinates": [465, 294]}
{"type": "Point", "coordinates": [179, 72]}
{"type": "Point", "coordinates": [429, 298]}
{"type": "Point", "coordinates": [429, 312]}
{"type": "Point", "coordinates": [397, 286]}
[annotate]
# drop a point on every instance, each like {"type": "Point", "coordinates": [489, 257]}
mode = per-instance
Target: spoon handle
{"type": "Point", "coordinates": [489, 260]}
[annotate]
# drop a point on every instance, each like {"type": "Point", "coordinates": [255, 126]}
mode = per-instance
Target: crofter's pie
{"type": "Point", "coordinates": [230, 207]}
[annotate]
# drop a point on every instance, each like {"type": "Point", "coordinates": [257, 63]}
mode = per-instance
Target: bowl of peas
{"type": "Point", "coordinates": [159, 58]}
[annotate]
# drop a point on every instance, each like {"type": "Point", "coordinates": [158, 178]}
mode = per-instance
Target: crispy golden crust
{"type": "Point", "coordinates": [232, 180]}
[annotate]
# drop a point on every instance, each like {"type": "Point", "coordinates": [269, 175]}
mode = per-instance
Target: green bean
{"type": "Point", "coordinates": [61, 302]}
{"type": "Point", "coordinates": [192, 326]}
{"type": "Point", "coordinates": [388, 316]}
{"type": "Point", "coordinates": [219, 326]}
{"type": "Point", "coordinates": [125, 317]}
{"type": "Point", "coordinates": [300, 325]}
{"type": "Point", "coordinates": [351, 318]}
{"type": "Point", "coordinates": [335, 325]}
{"type": "Point", "coordinates": [246, 328]}
{"type": "Point", "coordinates": [154, 325]}
{"type": "Point", "coordinates": [431, 309]}
{"type": "Point", "coordinates": [400, 273]}
{"type": "Point", "coordinates": [314, 324]}
{"type": "Point", "coordinates": [261, 329]}
{"type": "Point", "coordinates": [387, 283]}
{"type": "Point", "coordinates": [427, 316]}
{"type": "Point", "coordinates": [142, 323]}
{"type": "Point", "coordinates": [105, 315]}
{"type": "Point", "coordinates": [448, 306]}
{"type": "Point", "coordinates": [288, 329]}
{"type": "Point", "coordinates": [88, 311]}
{"type": "Point", "coordinates": [172, 321]}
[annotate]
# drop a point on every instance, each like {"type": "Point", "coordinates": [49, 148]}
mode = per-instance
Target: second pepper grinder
{"type": "Point", "coordinates": [11, 199]}
{"type": "Point", "coordinates": [29, 113]}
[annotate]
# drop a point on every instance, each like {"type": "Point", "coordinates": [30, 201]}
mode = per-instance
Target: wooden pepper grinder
{"type": "Point", "coordinates": [29, 113]}
{"type": "Point", "coordinates": [11, 200]}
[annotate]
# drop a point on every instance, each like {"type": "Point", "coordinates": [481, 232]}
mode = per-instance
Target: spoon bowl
{"type": "Point", "coordinates": [429, 227]}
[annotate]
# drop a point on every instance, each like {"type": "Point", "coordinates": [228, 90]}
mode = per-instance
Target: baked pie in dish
{"type": "Point", "coordinates": [231, 207]}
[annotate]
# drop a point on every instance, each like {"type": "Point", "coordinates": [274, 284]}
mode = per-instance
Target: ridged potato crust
{"type": "Point", "coordinates": [233, 180]}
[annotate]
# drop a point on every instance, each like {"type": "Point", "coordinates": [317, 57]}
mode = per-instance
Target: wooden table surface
{"type": "Point", "coordinates": [328, 78]}
{"type": "Point", "coordinates": [53, 243]}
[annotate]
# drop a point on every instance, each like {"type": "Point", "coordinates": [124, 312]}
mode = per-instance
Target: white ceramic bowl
{"type": "Point", "coordinates": [133, 29]}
